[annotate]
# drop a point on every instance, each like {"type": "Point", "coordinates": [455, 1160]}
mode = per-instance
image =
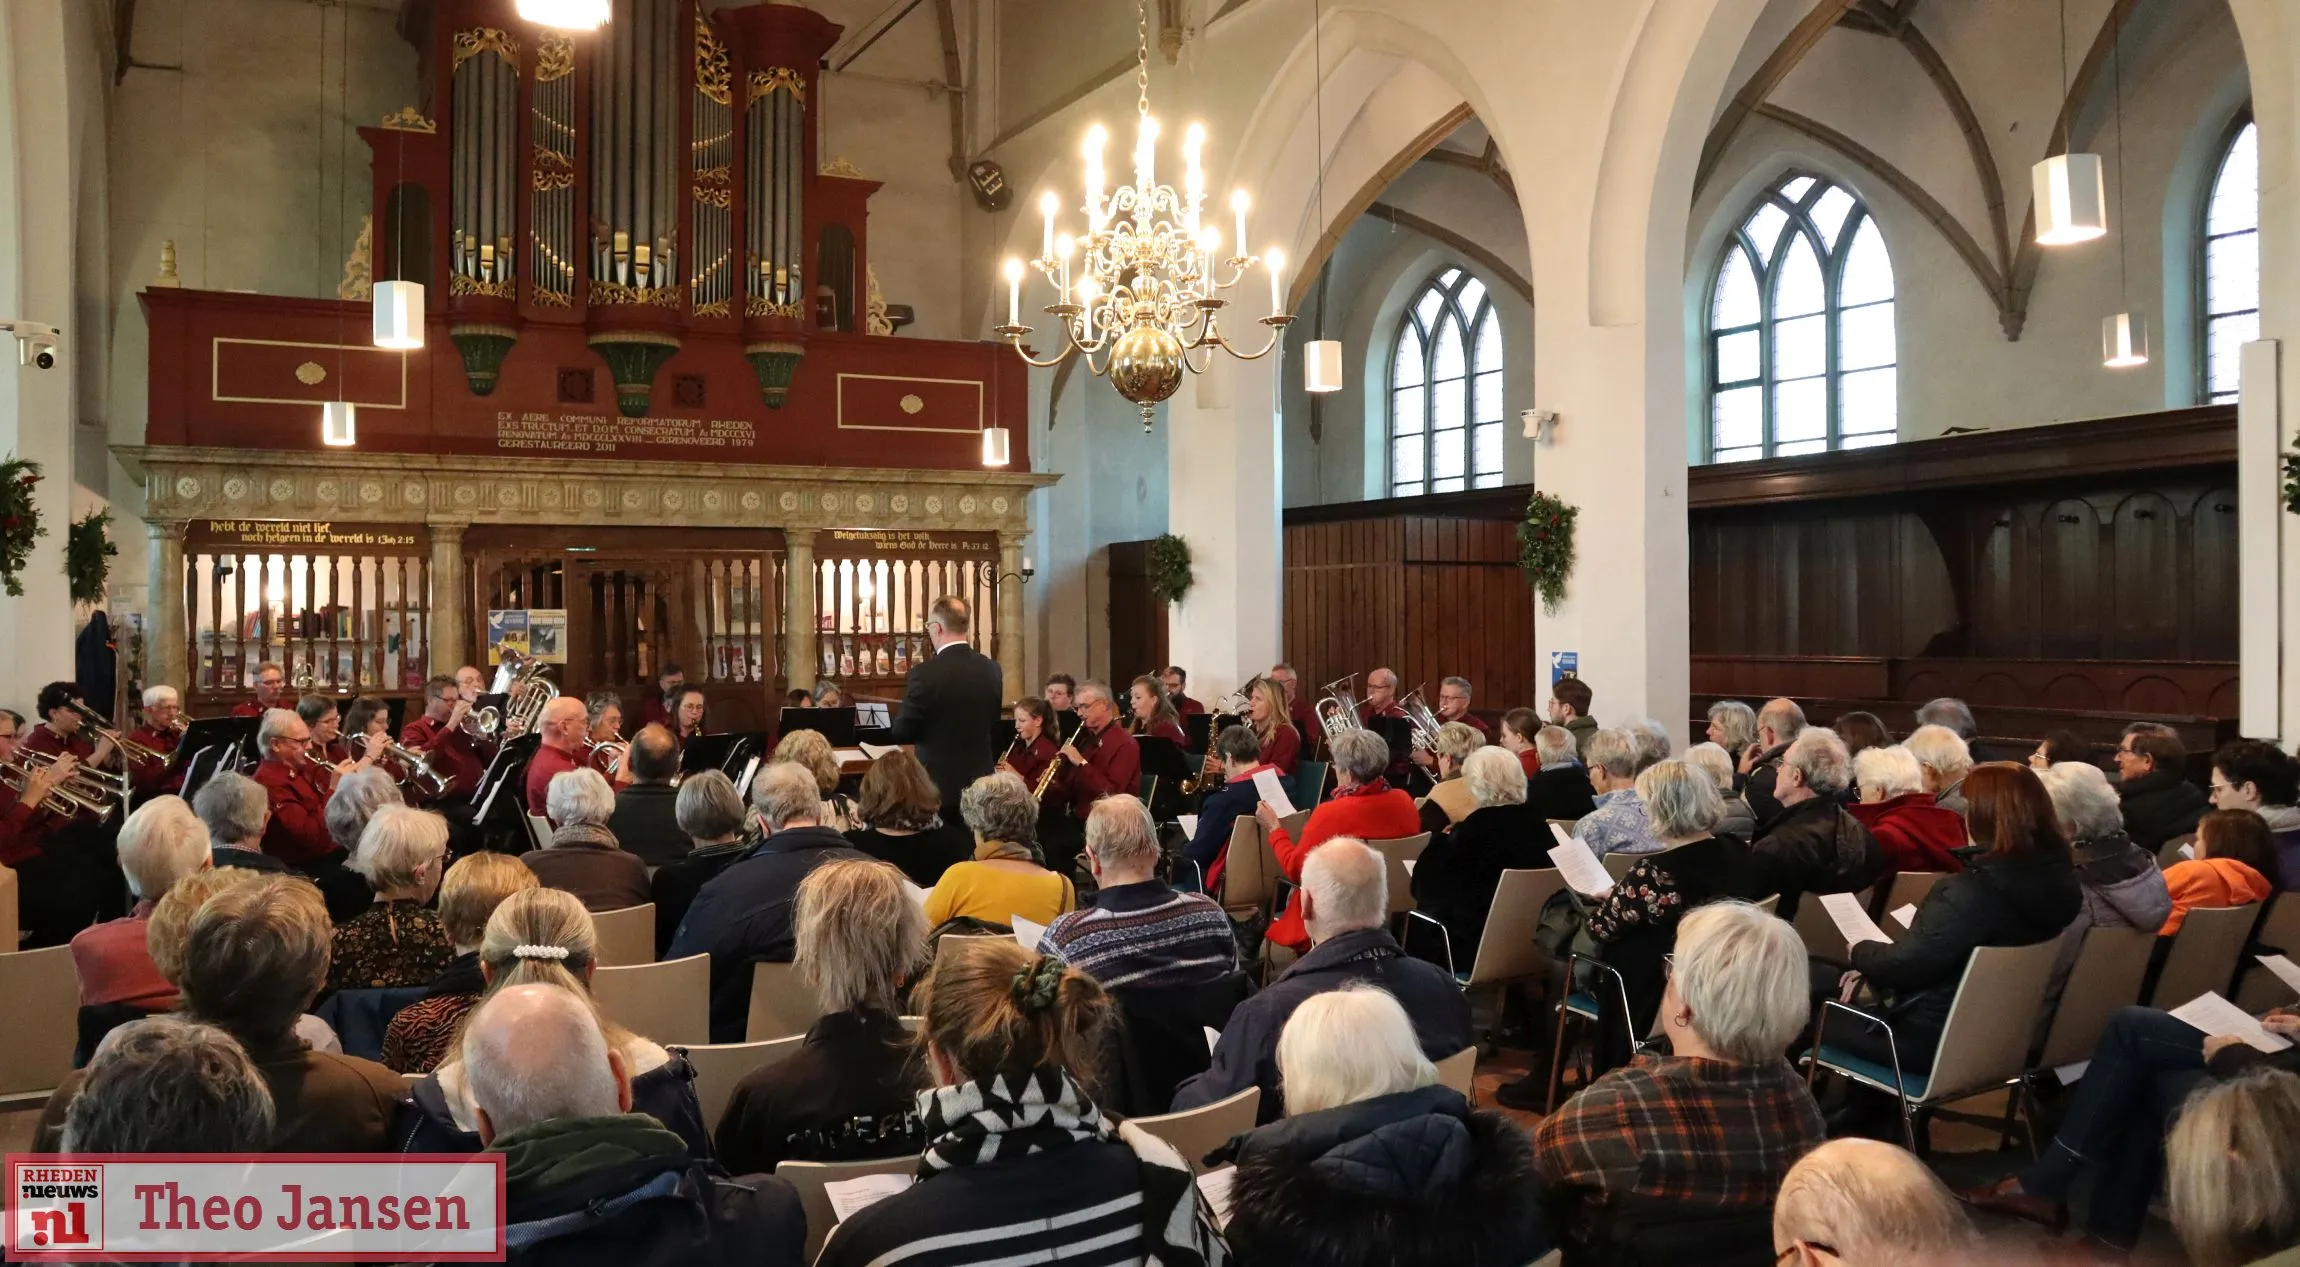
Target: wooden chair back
{"type": "Point", "coordinates": [1459, 1071]}
{"type": "Point", "coordinates": [40, 993]}
{"type": "Point", "coordinates": [625, 937]}
{"type": "Point", "coordinates": [719, 1066]}
{"type": "Point", "coordinates": [1992, 1019]}
{"type": "Point", "coordinates": [2204, 953]}
{"type": "Point", "coordinates": [1247, 880]}
{"type": "Point", "coordinates": [1507, 951]}
{"type": "Point", "coordinates": [1395, 855]}
{"type": "Point", "coordinates": [810, 1178]}
{"type": "Point", "coordinates": [1617, 864]}
{"type": "Point", "coordinates": [2107, 976]}
{"type": "Point", "coordinates": [781, 1004]}
{"type": "Point", "coordinates": [1822, 940]}
{"type": "Point", "coordinates": [1909, 889]}
{"type": "Point", "coordinates": [2258, 989]}
{"type": "Point", "coordinates": [1199, 1131]}
{"type": "Point", "coordinates": [669, 1002]}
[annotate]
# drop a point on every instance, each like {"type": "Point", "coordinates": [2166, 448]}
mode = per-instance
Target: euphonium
{"type": "Point", "coordinates": [521, 679]}
{"type": "Point", "coordinates": [1338, 711]}
{"type": "Point", "coordinates": [1417, 710]}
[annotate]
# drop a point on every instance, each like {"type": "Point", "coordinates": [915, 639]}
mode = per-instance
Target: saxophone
{"type": "Point", "coordinates": [1085, 741]}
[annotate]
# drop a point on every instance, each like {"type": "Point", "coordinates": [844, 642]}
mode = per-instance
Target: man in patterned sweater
{"type": "Point", "coordinates": [1140, 932]}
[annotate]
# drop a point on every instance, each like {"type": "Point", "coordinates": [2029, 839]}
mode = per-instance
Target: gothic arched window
{"type": "Point", "coordinates": [1445, 390]}
{"type": "Point", "coordinates": [2231, 268]}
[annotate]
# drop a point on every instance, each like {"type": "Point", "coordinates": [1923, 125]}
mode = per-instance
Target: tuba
{"type": "Point", "coordinates": [1338, 711]}
{"type": "Point", "coordinates": [1425, 722]}
{"type": "Point", "coordinates": [521, 679]}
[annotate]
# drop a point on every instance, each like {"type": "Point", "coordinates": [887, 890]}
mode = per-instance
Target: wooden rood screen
{"type": "Point", "coordinates": [873, 590]}
{"type": "Point", "coordinates": [341, 611]}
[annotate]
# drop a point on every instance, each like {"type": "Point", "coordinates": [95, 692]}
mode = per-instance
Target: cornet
{"type": "Point", "coordinates": [85, 791]}
{"type": "Point", "coordinates": [618, 752]}
{"type": "Point", "coordinates": [134, 753]}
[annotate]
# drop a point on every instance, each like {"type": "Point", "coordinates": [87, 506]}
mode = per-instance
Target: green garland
{"type": "Point", "coordinates": [1170, 576]}
{"type": "Point", "coordinates": [88, 555]}
{"type": "Point", "coordinates": [1545, 547]}
{"type": "Point", "coordinates": [2292, 479]}
{"type": "Point", "coordinates": [19, 521]}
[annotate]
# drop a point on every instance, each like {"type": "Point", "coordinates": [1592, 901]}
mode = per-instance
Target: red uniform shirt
{"type": "Point", "coordinates": [547, 764]}
{"type": "Point", "coordinates": [1113, 765]}
{"type": "Point", "coordinates": [1030, 760]}
{"type": "Point", "coordinates": [449, 751]}
{"type": "Point", "coordinates": [1169, 730]}
{"type": "Point", "coordinates": [155, 778]}
{"type": "Point", "coordinates": [42, 739]}
{"type": "Point", "coordinates": [1474, 722]}
{"type": "Point", "coordinates": [652, 713]}
{"type": "Point", "coordinates": [1188, 707]}
{"type": "Point", "coordinates": [1305, 719]}
{"type": "Point", "coordinates": [22, 827]}
{"type": "Point", "coordinates": [297, 834]}
{"type": "Point", "coordinates": [1283, 750]}
{"type": "Point", "coordinates": [247, 708]}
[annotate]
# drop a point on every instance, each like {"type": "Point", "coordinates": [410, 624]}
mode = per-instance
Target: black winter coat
{"type": "Point", "coordinates": [1560, 793]}
{"type": "Point", "coordinates": [2160, 805]}
{"type": "Point", "coordinates": [1455, 878]}
{"type": "Point", "coordinates": [1408, 1180]}
{"type": "Point", "coordinates": [2009, 902]}
{"type": "Point", "coordinates": [673, 1212]}
{"type": "Point", "coordinates": [1814, 846]}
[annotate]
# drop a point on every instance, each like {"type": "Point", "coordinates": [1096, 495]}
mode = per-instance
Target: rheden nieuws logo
{"type": "Point", "coordinates": [280, 1206]}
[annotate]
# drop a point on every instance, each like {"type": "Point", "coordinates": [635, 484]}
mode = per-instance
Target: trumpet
{"type": "Point", "coordinates": [413, 768]}
{"type": "Point", "coordinates": [95, 793]}
{"type": "Point", "coordinates": [134, 753]}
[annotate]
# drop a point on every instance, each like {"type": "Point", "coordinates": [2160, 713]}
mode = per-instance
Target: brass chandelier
{"type": "Point", "coordinates": [1144, 302]}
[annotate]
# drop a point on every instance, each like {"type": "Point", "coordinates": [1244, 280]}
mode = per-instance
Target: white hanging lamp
{"type": "Point", "coordinates": [399, 315]}
{"type": "Point", "coordinates": [2123, 341]}
{"type": "Point", "coordinates": [1322, 357]}
{"type": "Point", "coordinates": [2123, 336]}
{"type": "Point", "coordinates": [1322, 365]}
{"type": "Point", "coordinates": [2071, 196]}
{"type": "Point", "coordinates": [997, 446]}
{"type": "Point", "coordinates": [339, 424]}
{"type": "Point", "coordinates": [566, 15]}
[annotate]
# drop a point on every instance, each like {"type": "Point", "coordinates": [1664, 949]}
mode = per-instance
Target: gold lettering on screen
{"type": "Point", "coordinates": [300, 532]}
{"type": "Point", "coordinates": [909, 543]}
{"type": "Point", "coordinates": [603, 433]}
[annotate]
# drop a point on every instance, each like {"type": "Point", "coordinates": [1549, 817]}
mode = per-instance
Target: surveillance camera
{"type": "Point", "coordinates": [36, 343]}
{"type": "Point", "coordinates": [44, 353]}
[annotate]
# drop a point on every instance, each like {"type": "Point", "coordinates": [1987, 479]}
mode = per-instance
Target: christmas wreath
{"type": "Point", "coordinates": [1170, 576]}
{"type": "Point", "coordinates": [19, 521]}
{"type": "Point", "coordinates": [1545, 548]}
{"type": "Point", "coordinates": [88, 555]}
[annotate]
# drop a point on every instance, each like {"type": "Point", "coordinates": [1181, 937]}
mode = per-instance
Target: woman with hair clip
{"type": "Point", "coordinates": [1281, 743]}
{"type": "Point", "coordinates": [1150, 713]}
{"type": "Point", "coordinates": [1020, 1165]}
{"type": "Point", "coordinates": [545, 937]}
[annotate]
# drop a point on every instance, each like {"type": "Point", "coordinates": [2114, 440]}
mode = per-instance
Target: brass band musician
{"type": "Point", "coordinates": [1033, 750]}
{"type": "Point", "coordinates": [603, 717]}
{"type": "Point", "coordinates": [1381, 696]}
{"type": "Point", "coordinates": [63, 730]}
{"type": "Point", "coordinates": [687, 707]}
{"type": "Point", "coordinates": [657, 711]}
{"type": "Point", "coordinates": [442, 736]}
{"type": "Point", "coordinates": [1280, 742]}
{"type": "Point", "coordinates": [298, 834]}
{"type": "Point", "coordinates": [1301, 712]}
{"type": "Point", "coordinates": [271, 692]}
{"type": "Point", "coordinates": [162, 731]}
{"type": "Point", "coordinates": [561, 730]}
{"type": "Point", "coordinates": [1178, 690]}
{"type": "Point", "coordinates": [59, 888]}
{"type": "Point", "coordinates": [1152, 714]}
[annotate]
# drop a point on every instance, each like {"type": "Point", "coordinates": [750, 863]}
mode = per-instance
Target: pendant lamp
{"type": "Point", "coordinates": [565, 15]}
{"type": "Point", "coordinates": [339, 424]}
{"type": "Point", "coordinates": [997, 448]}
{"type": "Point", "coordinates": [2071, 198]}
{"type": "Point", "coordinates": [399, 315]}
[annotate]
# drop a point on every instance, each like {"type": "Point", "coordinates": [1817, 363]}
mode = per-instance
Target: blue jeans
{"type": "Point", "coordinates": [2146, 1064]}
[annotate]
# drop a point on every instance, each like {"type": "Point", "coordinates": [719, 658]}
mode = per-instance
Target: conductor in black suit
{"type": "Point", "coordinates": [950, 705]}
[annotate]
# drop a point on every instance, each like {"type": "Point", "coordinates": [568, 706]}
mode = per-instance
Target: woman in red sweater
{"type": "Point", "coordinates": [1914, 833]}
{"type": "Point", "coordinates": [1363, 806]}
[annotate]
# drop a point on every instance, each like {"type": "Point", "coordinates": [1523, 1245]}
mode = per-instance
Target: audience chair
{"type": "Point", "coordinates": [782, 1006]}
{"type": "Point", "coordinates": [1909, 888]}
{"type": "Point", "coordinates": [809, 1177]}
{"type": "Point", "coordinates": [669, 1002]}
{"type": "Point", "coordinates": [1459, 1071]}
{"type": "Point", "coordinates": [1310, 782]}
{"type": "Point", "coordinates": [1293, 824]}
{"type": "Point", "coordinates": [1197, 1132]}
{"type": "Point", "coordinates": [1396, 854]}
{"type": "Point", "coordinates": [40, 992]}
{"type": "Point", "coordinates": [2204, 954]}
{"type": "Point", "coordinates": [2169, 852]}
{"type": "Point", "coordinates": [538, 831]}
{"type": "Point", "coordinates": [11, 922]}
{"type": "Point", "coordinates": [1507, 951]}
{"type": "Point", "coordinates": [719, 1066]}
{"type": "Point", "coordinates": [1248, 870]}
{"type": "Point", "coordinates": [1583, 1005]}
{"type": "Point", "coordinates": [1984, 1046]}
{"type": "Point", "coordinates": [2258, 989]}
{"type": "Point", "coordinates": [1822, 940]}
{"type": "Point", "coordinates": [947, 938]}
{"type": "Point", "coordinates": [1617, 864]}
{"type": "Point", "coordinates": [2107, 975]}
{"type": "Point", "coordinates": [625, 937]}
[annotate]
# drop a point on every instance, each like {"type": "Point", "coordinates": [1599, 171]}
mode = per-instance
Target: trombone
{"type": "Point", "coordinates": [130, 751]}
{"type": "Point", "coordinates": [95, 793]}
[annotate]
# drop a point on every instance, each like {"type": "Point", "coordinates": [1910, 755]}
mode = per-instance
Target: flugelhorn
{"type": "Point", "coordinates": [86, 791]}
{"type": "Point", "coordinates": [413, 768]}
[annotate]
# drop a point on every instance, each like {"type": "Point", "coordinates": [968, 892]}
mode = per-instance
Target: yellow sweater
{"type": "Point", "coordinates": [995, 895]}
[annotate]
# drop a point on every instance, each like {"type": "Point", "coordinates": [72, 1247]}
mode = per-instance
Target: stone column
{"type": "Point", "coordinates": [799, 609]}
{"type": "Point", "coordinates": [1010, 636]}
{"type": "Point", "coordinates": [450, 628]}
{"type": "Point", "coordinates": [167, 657]}
{"type": "Point", "coordinates": [1222, 498]}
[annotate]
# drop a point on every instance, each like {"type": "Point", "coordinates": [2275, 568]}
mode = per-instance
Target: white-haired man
{"type": "Point", "coordinates": [1140, 932]}
{"type": "Point", "coordinates": [161, 843]}
{"type": "Point", "coordinates": [1813, 845]}
{"type": "Point", "coordinates": [298, 833]}
{"type": "Point", "coordinates": [1778, 724]}
{"type": "Point", "coordinates": [590, 1180]}
{"type": "Point", "coordinates": [743, 915]}
{"type": "Point", "coordinates": [1861, 1203]}
{"type": "Point", "coordinates": [162, 709]}
{"type": "Point", "coordinates": [1345, 903]}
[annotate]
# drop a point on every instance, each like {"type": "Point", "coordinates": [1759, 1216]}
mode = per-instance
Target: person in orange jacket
{"type": "Point", "coordinates": [2235, 855]}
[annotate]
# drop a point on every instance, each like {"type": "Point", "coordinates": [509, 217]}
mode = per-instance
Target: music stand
{"type": "Point", "coordinates": [200, 768]}
{"type": "Point", "coordinates": [1166, 764]}
{"type": "Point", "coordinates": [1066, 724]}
{"type": "Point", "coordinates": [724, 753]}
{"type": "Point", "coordinates": [1200, 728]}
{"type": "Point", "coordinates": [1398, 732]}
{"type": "Point", "coordinates": [220, 740]}
{"type": "Point", "coordinates": [513, 754]}
{"type": "Point", "coordinates": [873, 715]}
{"type": "Point", "coordinates": [834, 724]}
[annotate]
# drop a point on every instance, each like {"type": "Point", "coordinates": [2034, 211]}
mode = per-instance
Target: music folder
{"type": "Point", "coordinates": [834, 724]}
{"type": "Point", "coordinates": [1398, 732]}
{"type": "Point", "coordinates": [1200, 728]}
{"type": "Point", "coordinates": [211, 732]}
{"type": "Point", "coordinates": [511, 755]}
{"type": "Point", "coordinates": [724, 753]}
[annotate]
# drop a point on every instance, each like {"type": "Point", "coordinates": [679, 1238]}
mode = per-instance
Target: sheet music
{"type": "Point", "coordinates": [1189, 825]}
{"type": "Point", "coordinates": [743, 785]}
{"type": "Point", "coordinates": [1026, 932]}
{"type": "Point", "coordinates": [2215, 1015]}
{"type": "Point", "coordinates": [2285, 970]}
{"type": "Point", "coordinates": [846, 755]}
{"type": "Point", "coordinates": [851, 1195]}
{"type": "Point", "coordinates": [2188, 852]}
{"type": "Point", "coordinates": [1266, 783]}
{"type": "Point", "coordinates": [1583, 873]}
{"type": "Point", "coordinates": [1408, 864]}
{"type": "Point", "coordinates": [876, 751]}
{"type": "Point", "coordinates": [1852, 921]}
{"type": "Point", "coordinates": [1214, 1185]}
{"type": "Point", "coordinates": [1907, 915]}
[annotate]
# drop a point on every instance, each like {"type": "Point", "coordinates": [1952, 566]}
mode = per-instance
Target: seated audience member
{"type": "Point", "coordinates": [1636, 922]}
{"type": "Point", "coordinates": [809, 749]}
{"type": "Point", "coordinates": [544, 937]}
{"type": "Point", "coordinates": [2146, 1064]}
{"type": "Point", "coordinates": [1861, 732]}
{"type": "Point", "coordinates": [901, 821]}
{"type": "Point", "coordinates": [423, 1032]}
{"type": "Point", "coordinates": [588, 1179]}
{"type": "Point", "coordinates": [169, 1085]}
{"type": "Point", "coordinates": [1915, 833]}
{"type": "Point", "coordinates": [1375, 1164]}
{"type": "Point", "coordinates": [1139, 933]}
{"type": "Point", "coordinates": [583, 856]}
{"type": "Point", "coordinates": [1946, 760]}
{"type": "Point", "coordinates": [1618, 823]}
{"type": "Point", "coordinates": [1712, 1128]}
{"type": "Point", "coordinates": [1951, 715]}
{"type": "Point", "coordinates": [1557, 786]}
{"type": "Point", "coordinates": [2020, 890]}
{"type": "Point", "coordinates": [2152, 781]}
{"type": "Point", "coordinates": [171, 926]}
{"type": "Point", "coordinates": [2256, 775]}
{"type": "Point", "coordinates": [1240, 755]}
{"type": "Point", "coordinates": [2232, 1172]}
{"type": "Point", "coordinates": [235, 809]}
{"type": "Point", "coordinates": [1652, 740]}
{"type": "Point", "coordinates": [645, 822]}
{"type": "Point", "coordinates": [398, 939]}
{"type": "Point", "coordinates": [1716, 762]}
{"type": "Point", "coordinates": [1569, 700]}
{"type": "Point", "coordinates": [848, 1093]}
{"type": "Point", "coordinates": [2123, 888]}
{"type": "Point", "coordinates": [743, 915]}
{"type": "Point", "coordinates": [2235, 858]}
{"type": "Point", "coordinates": [254, 959]}
{"type": "Point", "coordinates": [1344, 901]}
{"type": "Point", "coordinates": [1363, 806]}
{"type": "Point", "coordinates": [1518, 727]}
{"type": "Point", "coordinates": [1007, 875]}
{"type": "Point", "coordinates": [1813, 845]}
{"type": "Point", "coordinates": [2060, 746]}
{"type": "Point", "coordinates": [1449, 800]}
{"type": "Point", "coordinates": [1732, 727]}
{"type": "Point", "coordinates": [1778, 725]}
{"type": "Point", "coordinates": [161, 843]}
{"type": "Point", "coordinates": [1455, 878]}
{"type": "Point", "coordinates": [1859, 1203]}
{"type": "Point", "coordinates": [356, 799]}
{"type": "Point", "coordinates": [1020, 1165]}
{"type": "Point", "coordinates": [711, 815]}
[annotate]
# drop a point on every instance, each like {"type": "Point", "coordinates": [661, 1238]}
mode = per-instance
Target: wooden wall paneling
{"type": "Point", "coordinates": [2209, 566]}
{"type": "Point", "coordinates": [2066, 615]}
{"type": "Point", "coordinates": [2147, 598]}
